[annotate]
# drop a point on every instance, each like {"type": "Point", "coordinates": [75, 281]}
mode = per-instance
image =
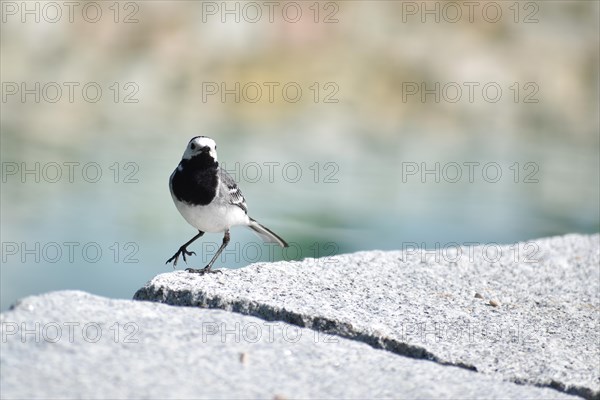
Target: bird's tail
{"type": "Point", "coordinates": [266, 234]}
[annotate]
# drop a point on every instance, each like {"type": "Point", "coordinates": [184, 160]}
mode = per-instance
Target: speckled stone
{"type": "Point", "coordinates": [124, 349]}
{"type": "Point", "coordinates": [537, 321]}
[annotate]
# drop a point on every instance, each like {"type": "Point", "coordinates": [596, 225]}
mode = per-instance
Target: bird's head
{"type": "Point", "coordinates": [200, 145]}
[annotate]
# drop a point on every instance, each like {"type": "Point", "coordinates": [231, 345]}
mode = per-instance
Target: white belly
{"type": "Point", "coordinates": [217, 217]}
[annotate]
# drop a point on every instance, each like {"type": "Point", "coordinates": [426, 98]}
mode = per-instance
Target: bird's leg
{"type": "Point", "coordinates": [183, 250]}
{"type": "Point", "coordinates": [207, 269]}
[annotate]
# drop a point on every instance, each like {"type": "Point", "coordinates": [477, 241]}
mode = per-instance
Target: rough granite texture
{"type": "Point", "coordinates": [528, 313]}
{"type": "Point", "coordinates": [130, 349]}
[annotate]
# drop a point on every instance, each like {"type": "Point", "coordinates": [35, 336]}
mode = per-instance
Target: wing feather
{"type": "Point", "coordinates": [232, 193]}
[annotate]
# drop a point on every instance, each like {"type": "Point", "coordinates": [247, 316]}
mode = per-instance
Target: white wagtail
{"type": "Point", "coordinates": [209, 199]}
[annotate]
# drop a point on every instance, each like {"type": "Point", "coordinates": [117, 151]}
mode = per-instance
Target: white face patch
{"type": "Point", "coordinates": [196, 145]}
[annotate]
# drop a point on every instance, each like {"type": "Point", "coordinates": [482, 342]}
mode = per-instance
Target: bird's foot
{"type": "Point", "coordinates": [202, 271]}
{"type": "Point", "coordinates": [181, 252]}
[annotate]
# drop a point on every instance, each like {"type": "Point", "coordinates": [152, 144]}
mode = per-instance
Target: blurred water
{"type": "Point", "coordinates": [368, 208]}
{"type": "Point", "coordinates": [355, 156]}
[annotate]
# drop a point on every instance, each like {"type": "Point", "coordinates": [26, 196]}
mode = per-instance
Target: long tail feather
{"type": "Point", "coordinates": [266, 234]}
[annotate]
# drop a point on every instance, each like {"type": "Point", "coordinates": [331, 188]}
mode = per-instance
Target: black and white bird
{"type": "Point", "coordinates": [209, 199]}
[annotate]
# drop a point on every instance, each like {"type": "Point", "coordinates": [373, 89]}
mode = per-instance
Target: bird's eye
{"type": "Point", "coordinates": [193, 146]}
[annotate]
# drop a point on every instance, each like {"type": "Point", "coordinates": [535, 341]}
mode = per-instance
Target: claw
{"type": "Point", "coordinates": [189, 253]}
{"type": "Point", "coordinates": [202, 271]}
{"type": "Point", "coordinates": [181, 252]}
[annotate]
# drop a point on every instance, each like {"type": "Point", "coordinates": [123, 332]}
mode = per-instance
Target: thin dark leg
{"type": "Point", "coordinates": [206, 269]}
{"type": "Point", "coordinates": [183, 250]}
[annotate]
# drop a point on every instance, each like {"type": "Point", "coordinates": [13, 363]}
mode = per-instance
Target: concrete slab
{"type": "Point", "coordinates": [526, 313]}
{"type": "Point", "coordinates": [74, 345]}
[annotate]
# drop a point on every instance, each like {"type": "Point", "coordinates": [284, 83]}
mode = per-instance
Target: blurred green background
{"type": "Point", "coordinates": [355, 133]}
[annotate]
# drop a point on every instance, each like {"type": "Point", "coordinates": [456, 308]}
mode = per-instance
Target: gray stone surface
{"type": "Point", "coordinates": [132, 349]}
{"type": "Point", "coordinates": [526, 313]}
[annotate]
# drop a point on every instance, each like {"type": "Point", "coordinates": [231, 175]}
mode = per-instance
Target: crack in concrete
{"type": "Point", "coordinates": [327, 326]}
